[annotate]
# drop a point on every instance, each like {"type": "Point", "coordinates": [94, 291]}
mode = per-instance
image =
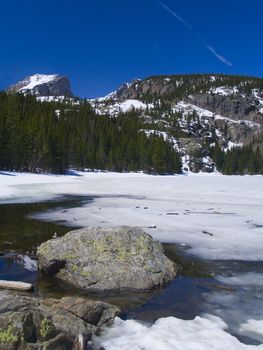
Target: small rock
{"type": "Point", "coordinates": [207, 233]}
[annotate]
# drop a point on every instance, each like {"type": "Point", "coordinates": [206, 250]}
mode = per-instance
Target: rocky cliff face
{"type": "Point", "coordinates": [43, 85]}
{"type": "Point", "coordinates": [236, 106]}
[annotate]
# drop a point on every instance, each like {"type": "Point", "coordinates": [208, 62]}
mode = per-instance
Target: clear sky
{"type": "Point", "coordinates": [99, 44]}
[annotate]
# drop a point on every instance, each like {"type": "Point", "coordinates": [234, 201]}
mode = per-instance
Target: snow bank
{"type": "Point", "coordinates": [171, 334]}
{"type": "Point", "coordinates": [253, 328]}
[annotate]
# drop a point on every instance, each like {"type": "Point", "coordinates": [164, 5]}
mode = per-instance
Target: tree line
{"type": "Point", "coordinates": [54, 136]}
{"type": "Point", "coordinates": [238, 161]}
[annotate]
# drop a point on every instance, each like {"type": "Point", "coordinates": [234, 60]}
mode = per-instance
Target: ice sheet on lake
{"type": "Point", "coordinates": [220, 217]}
{"type": "Point", "coordinates": [249, 279]}
{"type": "Point", "coordinates": [240, 304]}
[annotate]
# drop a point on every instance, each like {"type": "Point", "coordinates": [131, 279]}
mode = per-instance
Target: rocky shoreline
{"type": "Point", "coordinates": [113, 259]}
{"type": "Point", "coordinates": [28, 322]}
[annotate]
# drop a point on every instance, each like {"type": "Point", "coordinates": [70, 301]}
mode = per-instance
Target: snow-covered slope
{"type": "Point", "coordinates": [34, 80]}
{"type": "Point", "coordinates": [43, 85]}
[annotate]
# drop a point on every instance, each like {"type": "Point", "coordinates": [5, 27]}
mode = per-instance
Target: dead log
{"type": "Point", "coordinates": [16, 285]}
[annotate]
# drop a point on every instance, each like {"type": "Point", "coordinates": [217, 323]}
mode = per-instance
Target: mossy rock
{"type": "Point", "coordinates": [32, 323]}
{"type": "Point", "coordinates": [115, 258]}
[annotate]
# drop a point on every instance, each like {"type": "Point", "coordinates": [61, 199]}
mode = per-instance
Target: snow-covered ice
{"type": "Point", "coordinates": [229, 207]}
{"type": "Point", "coordinates": [241, 304]}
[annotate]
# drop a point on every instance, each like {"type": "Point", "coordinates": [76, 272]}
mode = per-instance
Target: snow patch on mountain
{"type": "Point", "coordinates": [255, 94]}
{"type": "Point", "coordinates": [187, 108]}
{"type": "Point", "coordinates": [159, 133]}
{"type": "Point", "coordinates": [132, 104]}
{"type": "Point", "coordinates": [231, 145]}
{"type": "Point", "coordinates": [114, 108]}
{"type": "Point", "coordinates": [35, 80]}
{"type": "Point", "coordinates": [248, 123]}
{"type": "Point", "coordinates": [224, 90]}
{"type": "Point", "coordinates": [52, 98]}
{"type": "Point", "coordinates": [108, 97]}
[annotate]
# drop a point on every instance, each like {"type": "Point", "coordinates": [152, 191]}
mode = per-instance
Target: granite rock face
{"type": "Point", "coordinates": [28, 322]}
{"type": "Point", "coordinates": [237, 107]}
{"type": "Point", "coordinates": [119, 258]}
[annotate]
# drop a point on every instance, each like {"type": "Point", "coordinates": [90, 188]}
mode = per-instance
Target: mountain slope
{"type": "Point", "coordinates": [195, 112]}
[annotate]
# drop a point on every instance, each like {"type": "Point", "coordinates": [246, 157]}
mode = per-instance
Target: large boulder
{"type": "Point", "coordinates": [50, 324]}
{"type": "Point", "coordinates": [107, 259]}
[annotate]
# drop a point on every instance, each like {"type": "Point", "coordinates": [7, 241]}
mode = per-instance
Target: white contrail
{"type": "Point", "coordinates": [209, 47]}
{"type": "Point", "coordinates": [220, 57]}
{"type": "Point", "coordinates": [175, 15]}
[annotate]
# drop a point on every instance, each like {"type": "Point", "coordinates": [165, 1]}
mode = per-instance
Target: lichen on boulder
{"type": "Point", "coordinates": [115, 258]}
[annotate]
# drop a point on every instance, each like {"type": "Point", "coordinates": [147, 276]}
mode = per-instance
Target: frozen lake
{"type": "Point", "coordinates": [216, 219]}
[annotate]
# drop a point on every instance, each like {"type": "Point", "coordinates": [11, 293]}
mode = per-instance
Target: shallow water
{"type": "Point", "coordinates": [227, 288]}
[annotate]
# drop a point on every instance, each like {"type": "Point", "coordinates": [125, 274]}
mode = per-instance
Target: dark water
{"type": "Point", "coordinates": [20, 233]}
{"type": "Point", "coordinates": [186, 297]}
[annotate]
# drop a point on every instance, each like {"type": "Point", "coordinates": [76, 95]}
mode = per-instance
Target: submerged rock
{"type": "Point", "coordinates": [50, 324]}
{"type": "Point", "coordinates": [108, 259]}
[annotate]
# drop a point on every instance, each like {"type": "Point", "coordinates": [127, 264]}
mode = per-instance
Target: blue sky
{"type": "Point", "coordinates": [99, 44]}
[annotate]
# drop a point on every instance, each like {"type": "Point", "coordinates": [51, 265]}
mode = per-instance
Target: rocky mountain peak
{"type": "Point", "coordinates": [43, 85]}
